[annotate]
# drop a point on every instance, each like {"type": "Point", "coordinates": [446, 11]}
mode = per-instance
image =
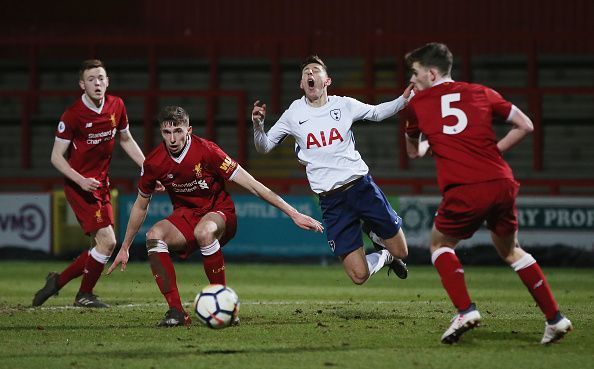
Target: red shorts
{"type": "Point", "coordinates": [92, 209]}
{"type": "Point", "coordinates": [464, 208]}
{"type": "Point", "coordinates": [186, 220]}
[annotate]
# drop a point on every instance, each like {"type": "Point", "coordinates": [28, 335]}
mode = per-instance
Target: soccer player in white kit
{"type": "Point", "coordinates": [324, 143]}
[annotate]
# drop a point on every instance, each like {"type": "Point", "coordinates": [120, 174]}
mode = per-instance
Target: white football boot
{"type": "Point", "coordinates": [554, 332]}
{"type": "Point", "coordinates": [460, 324]}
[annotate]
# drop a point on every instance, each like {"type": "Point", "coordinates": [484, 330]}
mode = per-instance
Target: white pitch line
{"type": "Point", "coordinates": [264, 302]}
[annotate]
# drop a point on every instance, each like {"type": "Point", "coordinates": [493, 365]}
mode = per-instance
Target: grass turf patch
{"type": "Point", "coordinates": [292, 316]}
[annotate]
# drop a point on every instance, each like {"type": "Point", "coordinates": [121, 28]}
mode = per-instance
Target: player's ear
{"type": "Point", "coordinates": [189, 130]}
{"type": "Point", "coordinates": [301, 86]}
{"type": "Point", "coordinates": [434, 74]}
{"type": "Point", "coordinates": [81, 84]}
{"type": "Point", "coordinates": [106, 81]}
{"type": "Point", "coordinates": [327, 82]}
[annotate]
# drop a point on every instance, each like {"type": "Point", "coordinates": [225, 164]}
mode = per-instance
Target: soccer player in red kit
{"type": "Point", "coordinates": [193, 171]}
{"type": "Point", "coordinates": [82, 151]}
{"type": "Point", "coordinates": [476, 183]}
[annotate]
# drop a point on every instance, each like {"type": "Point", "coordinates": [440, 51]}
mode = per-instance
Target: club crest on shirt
{"type": "Point", "coordinates": [198, 170]}
{"type": "Point", "coordinates": [61, 127]}
{"type": "Point", "coordinates": [335, 114]}
{"type": "Point", "coordinates": [113, 120]}
{"type": "Point", "coordinates": [98, 216]}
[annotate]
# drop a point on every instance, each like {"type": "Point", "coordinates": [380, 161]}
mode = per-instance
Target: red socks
{"type": "Point", "coordinates": [91, 274]}
{"type": "Point", "coordinates": [74, 270]}
{"type": "Point", "coordinates": [531, 275]}
{"type": "Point", "coordinates": [164, 273]}
{"type": "Point", "coordinates": [452, 276]}
{"type": "Point", "coordinates": [214, 267]}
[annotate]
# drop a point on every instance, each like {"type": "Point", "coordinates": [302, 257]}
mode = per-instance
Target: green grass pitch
{"type": "Point", "coordinates": [292, 316]}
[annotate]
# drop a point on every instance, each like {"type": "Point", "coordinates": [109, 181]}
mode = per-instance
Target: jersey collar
{"type": "Point", "coordinates": [92, 106]}
{"type": "Point", "coordinates": [181, 156]}
{"type": "Point", "coordinates": [443, 80]}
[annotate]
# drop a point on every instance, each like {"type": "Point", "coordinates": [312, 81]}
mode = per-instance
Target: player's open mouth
{"type": "Point", "coordinates": [310, 82]}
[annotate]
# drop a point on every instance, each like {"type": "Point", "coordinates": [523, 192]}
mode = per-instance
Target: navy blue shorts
{"type": "Point", "coordinates": [342, 213]}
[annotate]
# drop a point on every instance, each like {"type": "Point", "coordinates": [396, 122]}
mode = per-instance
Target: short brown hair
{"type": "Point", "coordinates": [174, 115]}
{"type": "Point", "coordinates": [313, 59]}
{"type": "Point", "coordinates": [89, 64]}
{"type": "Point", "coordinates": [433, 54]}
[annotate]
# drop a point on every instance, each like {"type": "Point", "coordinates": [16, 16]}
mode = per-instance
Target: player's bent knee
{"type": "Point", "coordinates": [204, 238]}
{"type": "Point", "coordinates": [153, 234]}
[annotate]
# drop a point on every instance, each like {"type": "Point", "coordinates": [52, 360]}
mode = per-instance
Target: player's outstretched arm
{"type": "Point", "coordinates": [137, 215]}
{"type": "Point", "coordinates": [245, 180]}
{"type": "Point", "coordinates": [387, 109]}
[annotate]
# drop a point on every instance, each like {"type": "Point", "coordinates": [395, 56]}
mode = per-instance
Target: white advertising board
{"type": "Point", "coordinates": [25, 221]}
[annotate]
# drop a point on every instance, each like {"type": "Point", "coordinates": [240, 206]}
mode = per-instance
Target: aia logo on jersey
{"type": "Point", "coordinates": [113, 120]}
{"type": "Point", "coordinates": [335, 114]}
{"type": "Point", "coordinates": [198, 170]}
{"type": "Point", "coordinates": [98, 216]}
{"type": "Point", "coordinates": [228, 165]}
{"type": "Point", "coordinates": [334, 135]}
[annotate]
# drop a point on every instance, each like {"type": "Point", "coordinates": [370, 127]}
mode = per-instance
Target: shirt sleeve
{"type": "Point", "coordinates": [409, 119]}
{"type": "Point", "coordinates": [500, 106]}
{"type": "Point", "coordinates": [375, 113]}
{"type": "Point", "coordinates": [223, 164]}
{"type": "Point", "coordinates": [147, 182]}
{"type": "Point", "coordinates": [123, 123]}
{"type": "Point", "coordinates": [66, 127]}
{"type": "Point", "coordinates": [265, 142]}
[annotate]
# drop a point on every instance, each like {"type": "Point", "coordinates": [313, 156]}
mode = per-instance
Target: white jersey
{"type": "Point", "coordinates": [324, 141]}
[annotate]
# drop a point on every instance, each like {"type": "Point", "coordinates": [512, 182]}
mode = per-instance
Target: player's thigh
{"type": "Point", "coordinates": [462, 211]}
{"type": "Point", "coordinates": [343, 228]}
{"type": "Point", "coordinates": [375, 209]}
{"type": "Point", "coordinates": [164, 230]}
{"type": "Point", "coordinates": [210, 227]}
{"type": "Point", "coordinates": [502, 219]}
{"type": "Point", "coordinates": [91, 214]}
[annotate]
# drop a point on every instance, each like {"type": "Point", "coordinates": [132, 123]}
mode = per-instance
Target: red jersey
{"type": "Point", "coordinates": [92, 131]}
{"type": "Point", "coordinates": [456, 118]}
{"type": "Point", "coordinates": [195, 179]}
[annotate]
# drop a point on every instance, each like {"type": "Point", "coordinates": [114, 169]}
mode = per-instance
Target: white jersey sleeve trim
{"type": "Point", "coordinates": [234, 172]}
{"type": "Point", "coordinates": [125, 129]}
{"type": "Point", "coordinates": [63, 140]}
{"type": "Point", "coordinates": [512, 112]}
{"type": "Point", "coordinates": [145, 195]}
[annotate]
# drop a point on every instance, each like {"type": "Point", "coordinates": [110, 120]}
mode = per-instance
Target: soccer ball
{"type": "Point", "coordinates": [216, 306]}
